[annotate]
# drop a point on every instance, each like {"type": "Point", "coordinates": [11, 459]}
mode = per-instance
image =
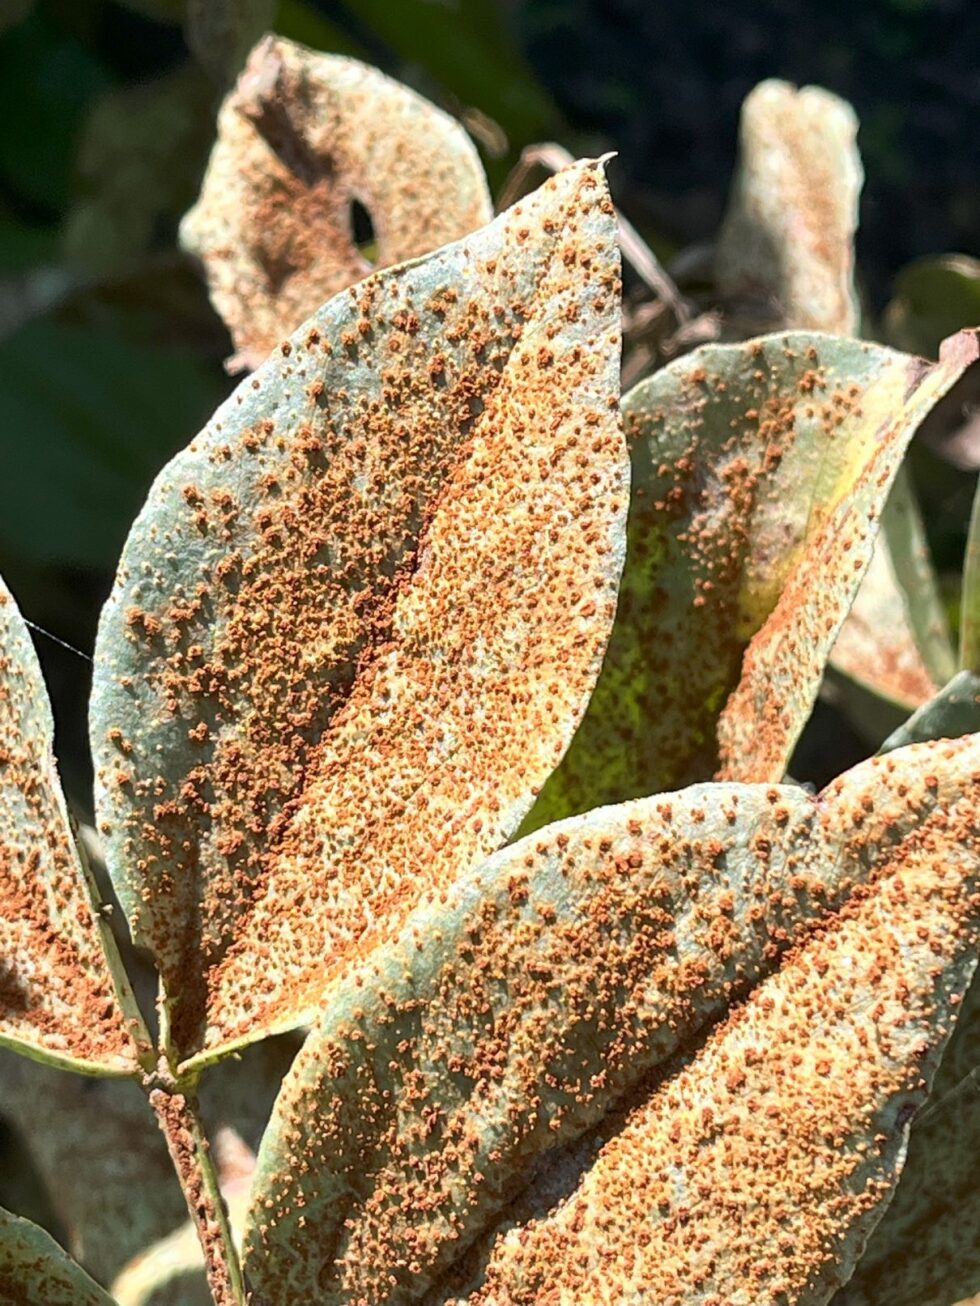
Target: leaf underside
{"type": "Point", "coordinates": [57, 1000]}
{"type": "Point", "coordinates": [759, 471]}
{"type": "Point", "coordinates": [35, 1271]}
{"type": "Point", "coordinates": [302, 138]}
{"type": "Point", "coordinates": [534, 998]}
{"type": "Point", "coordinates": [360, 616]}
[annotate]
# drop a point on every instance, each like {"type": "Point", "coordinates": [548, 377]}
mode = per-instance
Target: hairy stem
{"type": "Point", "coordinates": [189, 1150]}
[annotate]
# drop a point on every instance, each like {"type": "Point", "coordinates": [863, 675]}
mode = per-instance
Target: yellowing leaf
{"type": "Point", "coordinates": [309, 145]}
{"type": "Point", "coordinates": [785, 254]}
{"type": "Point", "coordinates": [58, 1001]}
{"type": "Point", "coordinates": [359, 618]}
{"type": "Point", "coordinates": [759, 472]}
{"type": "Point", "coordinates": [518, 1008]}
{"type": "Point", "coordinates": [34, 1271]}
{"type": "Point", "coordinates": [754, 1171]}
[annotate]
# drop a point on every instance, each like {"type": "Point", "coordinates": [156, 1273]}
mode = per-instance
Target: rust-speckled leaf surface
{"type": "Point", "coordinates": [926, 1250]}
{"type": "Point", "coordinates": [516, 1010]}
{"type": "Point", "coordinates": [57, 997]}
{"type": "Point", "coordinates": [359, 618]}
{"type": "Point", "coordinates": [309, 147]}
{"type": "Point", "coordinates": [785, 254]}
{"type": "Point", "coordinates": [35, 1271]}
{"type": "Point", "coordinates": [758, 474]}
{"type": "Point", "coordinates": [753, 1170]}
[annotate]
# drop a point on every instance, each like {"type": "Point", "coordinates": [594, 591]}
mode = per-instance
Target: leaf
{"type": "Point", "coordinates": [58, 999]}
{"type": "Point", "coordinates": [954, 711]}
{"type": "Point", "coordinates": [931, 299]}
{"type": "Point", "coordinates": [758, 474]}
{"type": "Point", "coordinates": [82, 401]}
{"type": "Point", "coordinates": [516, 1010]}
{"type": "Point", "coordinates": [926, 1250]}
{"type": "Point", "coordinates": [34, 1271]}
{"type": "Point", "coordinates": [895, 640]}
{"type": "Point", "coordinates": [754, 1170]}
{"type": "Point", "coordinates": [359, 618]}
{"type": "Point", "coordinates": [101, 1157]}
{"type": "Point", "coordinates": [970, 606]}
{"type": "Point", "coordinates": [308, 144]}
{"type": "Point", "coordinates": [785, 253]}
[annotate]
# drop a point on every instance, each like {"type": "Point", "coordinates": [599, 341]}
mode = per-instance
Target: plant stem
{"type": "Point", "coordinates": [189, 1150]}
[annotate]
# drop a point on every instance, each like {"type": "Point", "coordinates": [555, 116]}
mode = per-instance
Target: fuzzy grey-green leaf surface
{"type": "Point", "coordinates": [359, 618]}
{"type": "Point", "coordinates": [759, 472]}
{"type": "Point", "coordinates": [518, 1008]}
{"type": "Point", "coordinates": [754, 1170]}
{"type": "Point", "coordinates": [58, 1001]}
{"type": "Point", "coordinates": [35, 1271]}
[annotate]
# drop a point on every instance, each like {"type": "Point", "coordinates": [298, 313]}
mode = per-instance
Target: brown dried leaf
{"type": "Point", "coordinates": [359, 618]}
{"type": "Point", "coordinates": [519, 1007]}
{"type": "Point", "coordinates": [58, 1001]}
{"type": "Point", "coordinates": [755, 1171]}
{"type": "Point", "coordinates": [785, 254]}
{"type": "Point", "coordinates": [303, 139]}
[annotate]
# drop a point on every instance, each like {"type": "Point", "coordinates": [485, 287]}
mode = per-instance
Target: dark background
{"type": "Point", "coordinates": [110, 356]}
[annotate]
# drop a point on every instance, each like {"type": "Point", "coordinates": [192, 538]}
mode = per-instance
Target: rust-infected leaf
{"type": "Point", "coordinates": [754, 1170]}
{"type": "Point", "coordinates": [785, 254]}
{"type": "Point", "coordinates": [513, 1012]}
{"type": "Point", "coordinates": [35, 1271]}
{"type": "Point", "coordinates": [926, 1250]}
{"type": "Point", "coordinates": [759, 471]}
{"type": "Point", "coordinates": [58, 1001]}
{"type": "Point", "coordinates": [309, 146]}
{"type": "Point", "coordinates": [359, 618]}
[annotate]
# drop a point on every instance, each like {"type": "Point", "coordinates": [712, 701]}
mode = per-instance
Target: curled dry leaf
{"type": "Point", "coordinates": [35, 1271]}
{"type": "Point", "coordinates": [738, 547]}
{"type": "Point", "coordinates": [308, 145]}
{"type": "Point", "coordinates": [58, 1001]}
{"type": "Point", "coordinates": [756, 1170]}
{"type": "Point", "coordinates": [518, 1008]}
{"type": "Point", "coordinates": [359, 618]}
{"type": "Point", "coordinates": [785, 254]}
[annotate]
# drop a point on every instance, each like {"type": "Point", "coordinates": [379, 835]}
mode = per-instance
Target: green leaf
{"type": "Point", "coordinates": [932, 298]}
{"type": "Point", "coordinates": [83, 402]}
{"type": "Point", "coordinates": [34, 1271]}
{"type": "Point", "coordinates": [58, 999]}
{"type": "Point", "coordinates": [303, 140]}
{"type": "Point", "coordinates": [458, 1064]}
{"type": "Point", "coordinates": [954, 711]}
{"type": "Point", "coordinates": [759, 471]}
{"type": "Point", "coordinates": [970, 606]}
{"type": "Point", "coordinates": [785, 253]}
{"type": "Point", "coordinates": [360, 616]}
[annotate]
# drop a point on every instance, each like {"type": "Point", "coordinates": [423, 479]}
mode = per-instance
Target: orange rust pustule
{"type": "Point", "coordinates": [381, 606]}
{"type": "Point", "coordinates": [754, 1172]}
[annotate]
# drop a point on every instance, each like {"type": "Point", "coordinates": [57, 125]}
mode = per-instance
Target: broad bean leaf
{"type": "Point", "coordinates": [35, 1271]}
{"type": "Point", "coordinates": [955, 710]}
{"type": "Point", "coordinates": [785, 253]}
{"type": "Point", "coordinates": [515, 1010]}
{"type": "Point", "coordinates": [754, 1169]}
{"type": "Point", "coordinates": [58, 1001]}
{"type": "Point", "coordinates": [932, 298]}
{"type": "Point", "coordinates": [926, 1250]}
{"type": "Point", "coordinates": [970, 606]}
{"type": "Point", "coordinates": [759, 472]}
{"type": "Point", "coordinates": [307, 142]}
{"type": "Point", "coordinates": [360, 616]}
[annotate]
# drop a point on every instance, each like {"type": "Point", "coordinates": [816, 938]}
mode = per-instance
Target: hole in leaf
{"type": "Point", "coordinates": [362, 232]}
